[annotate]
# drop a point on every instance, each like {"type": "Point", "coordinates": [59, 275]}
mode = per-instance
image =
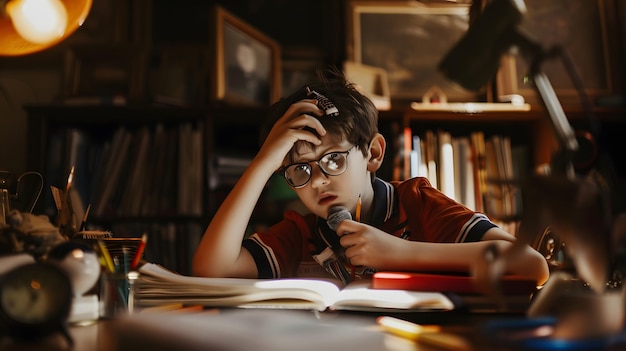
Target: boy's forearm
{"type": "Point", "coordinates": [219, 252]}
{"type": "Point", "coordinates": [462, 257]}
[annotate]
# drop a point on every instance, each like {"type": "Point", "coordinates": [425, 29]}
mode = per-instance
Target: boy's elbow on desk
{"type": "Point", "coordinates": [525, 261]}
{"type": "Point", "coordinates": [539, 266]}
{"type": "Point", "coordinates": [529, 263]}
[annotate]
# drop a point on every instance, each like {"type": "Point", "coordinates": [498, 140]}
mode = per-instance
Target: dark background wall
{"type": "Point", "coordinates": [313, 31]}
{"type": "Point", "coordinates": [310, 30]}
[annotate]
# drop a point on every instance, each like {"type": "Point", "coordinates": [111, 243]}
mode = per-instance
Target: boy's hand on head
{"type": "Point", "coordinates": [295, 125]}
{"type": "Point", "coordinates": [368, 246]}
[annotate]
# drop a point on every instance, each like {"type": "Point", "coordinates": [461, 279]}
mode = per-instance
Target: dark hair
{"type": "Point", "coordinates": [358, 117]}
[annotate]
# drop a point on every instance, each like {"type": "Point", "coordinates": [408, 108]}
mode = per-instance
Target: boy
{"type": "Point", "coordinates": [330, 160]}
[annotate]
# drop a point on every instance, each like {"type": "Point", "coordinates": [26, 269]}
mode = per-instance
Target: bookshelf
{"type": "Point", "coordinates": [143, 168]}
{"type": "Point", "coordinates": [468, 156]}
{"type": "Point", "coordinates": [529, 134]}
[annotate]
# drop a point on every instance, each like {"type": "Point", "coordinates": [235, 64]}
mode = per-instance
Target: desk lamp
{"type": "Point", "coordinates": [577, 209]}
{"type": "Point", "coordinates": [29, 26]}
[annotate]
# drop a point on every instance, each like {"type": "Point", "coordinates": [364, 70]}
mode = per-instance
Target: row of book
{"type": "Point", "coordinates": [148, 171]}
{"type": "Point", "coordinates": [153, 178]}
{"type": "Point", "coordinates": [481, 172]}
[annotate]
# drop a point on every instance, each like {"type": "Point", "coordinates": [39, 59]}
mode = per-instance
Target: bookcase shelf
{"type": "Point", "coordinates": [525, 127]}
{"type": "Point", "coordinates": [528, 131]}
{"type": "Point", "coordinates": [169, 191]}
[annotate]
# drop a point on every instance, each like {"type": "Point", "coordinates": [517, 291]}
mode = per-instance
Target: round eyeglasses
{"type": "Point", "coordinates": [333, 163]}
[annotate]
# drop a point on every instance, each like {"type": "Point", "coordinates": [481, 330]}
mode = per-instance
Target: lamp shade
{"type": "Point", "coordinates": [13, 44]}
{"type": "Point", "coordinates": [476, 57]}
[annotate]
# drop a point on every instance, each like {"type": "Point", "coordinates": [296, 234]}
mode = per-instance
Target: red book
{"type": "Point", "coordinates": [441, 282]}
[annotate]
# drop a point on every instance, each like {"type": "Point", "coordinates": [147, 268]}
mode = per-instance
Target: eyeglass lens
{"type": "Point", "coordinates": [334, 163]}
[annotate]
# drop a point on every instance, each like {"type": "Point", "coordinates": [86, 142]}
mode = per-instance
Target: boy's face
{"type": "Point", "coordinates": [323, 191]}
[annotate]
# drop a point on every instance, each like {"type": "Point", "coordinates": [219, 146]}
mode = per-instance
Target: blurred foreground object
{"type": "Point", "coordinates": [577, 208]}
{"type": "Point", "coordinates": [28, 233]}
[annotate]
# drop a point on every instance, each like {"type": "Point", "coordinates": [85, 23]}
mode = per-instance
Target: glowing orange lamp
{"type": "Point", "coordinates": [29, 26]}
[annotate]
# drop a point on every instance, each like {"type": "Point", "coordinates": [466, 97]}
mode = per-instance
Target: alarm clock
{"type": "Point", "coordinates": [35, 301]}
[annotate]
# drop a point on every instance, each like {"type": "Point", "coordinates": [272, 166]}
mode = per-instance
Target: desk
{"type": "Point", "coordinates": [96, 336]}
{"type": "Point", "coordinates": [104, 335]}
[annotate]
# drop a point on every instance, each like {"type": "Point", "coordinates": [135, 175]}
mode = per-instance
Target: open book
{"type": "Point", "coordinates": [158, 286]}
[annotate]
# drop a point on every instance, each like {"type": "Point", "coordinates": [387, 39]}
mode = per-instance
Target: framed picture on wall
{"type": "Point", "coordinates": [246, 67]}
{"type": "Point", "coordinates": [581, 29]}
{"type": "Point", "coordinates": [105, 71]}
{"type": "Point", "coordinates": [407, 40]}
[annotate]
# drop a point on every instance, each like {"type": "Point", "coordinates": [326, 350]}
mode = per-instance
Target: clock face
{"type": "Point", "coordinates": [36, 294]}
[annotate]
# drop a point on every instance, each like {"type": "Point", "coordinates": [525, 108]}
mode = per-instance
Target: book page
{"type": "Point", "coordinates": [359, 295]}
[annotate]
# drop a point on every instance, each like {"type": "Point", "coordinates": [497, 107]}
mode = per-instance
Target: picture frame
{"type": "Point", "coordinates": [371, 81]}
{"type": "Point", "coordinates": [581, 29]}
{"type": "Point", "coordinates": [407, 40]}
{"type": "Point", "coordinates": [181, 74]}
{"type": "Point", "coordinates": [109, 72]}
{"type": "Point", "coordinates": [247, 67]}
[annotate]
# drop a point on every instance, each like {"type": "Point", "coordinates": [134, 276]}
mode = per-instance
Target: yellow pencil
{"type": "Point", "coordinates": [428, 334]}
{"type": "Point", "coordinates": [107, 257]}
{"type": "Point", "coordinates": [405, 329]}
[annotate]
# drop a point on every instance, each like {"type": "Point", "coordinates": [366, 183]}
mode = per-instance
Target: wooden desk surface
{"type": "Point", "coordinates": [104, 335]}
{"type": "Point", "coordinates": [95, 336]}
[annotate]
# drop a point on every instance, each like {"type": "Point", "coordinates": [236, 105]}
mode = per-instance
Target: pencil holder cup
{"type": "Point", "coordinates": [115, 294]}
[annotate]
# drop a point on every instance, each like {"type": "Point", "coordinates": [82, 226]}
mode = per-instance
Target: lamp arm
{"type": "Point", "coordinates": [568, 145]}
{"type": "Point", "coordinates": [566, 138]}
{"type": "Point", "coordinates": [577, 81]}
